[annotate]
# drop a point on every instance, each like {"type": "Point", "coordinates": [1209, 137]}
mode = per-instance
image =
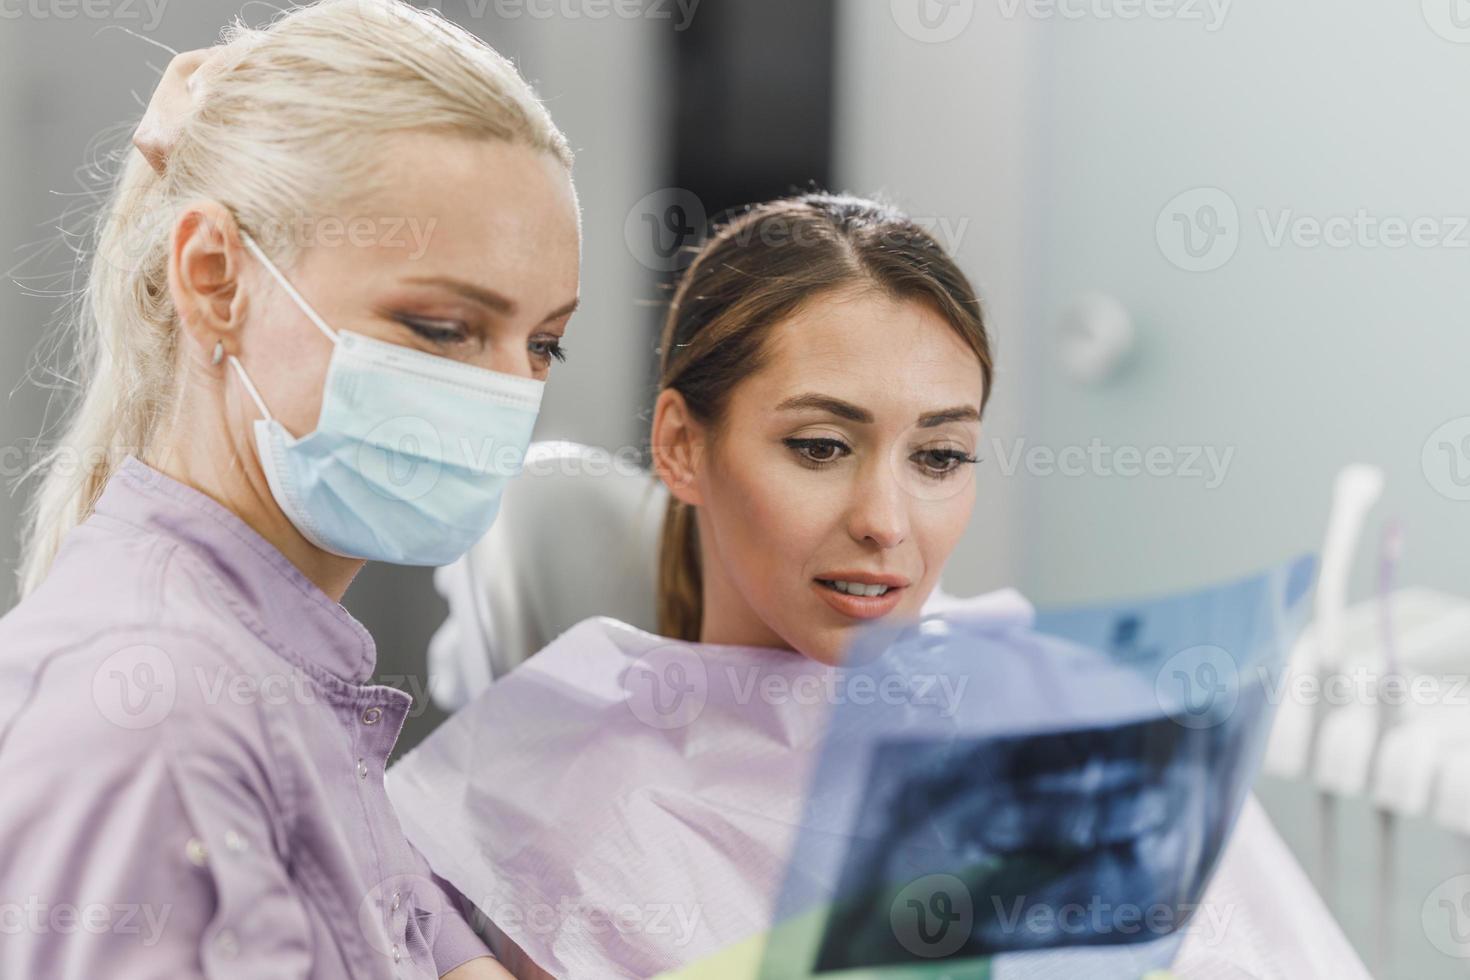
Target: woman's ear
{"type": "Point", "coordinates": [203, 278]}
{"type": "Point", "coordinates": [678, 443]}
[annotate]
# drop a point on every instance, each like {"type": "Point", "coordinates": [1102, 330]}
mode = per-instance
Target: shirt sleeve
{"type": "Point", "coordinates": [139, 848]}
{"type": "Point", "coordinates": [457, 943]}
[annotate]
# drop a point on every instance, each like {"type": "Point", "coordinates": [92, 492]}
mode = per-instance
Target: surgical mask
{"type": "Point", "coordinates": [410, 454]}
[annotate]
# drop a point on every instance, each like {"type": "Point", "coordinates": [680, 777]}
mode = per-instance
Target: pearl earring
{"type": "Point", "coordinates": [219, 352]}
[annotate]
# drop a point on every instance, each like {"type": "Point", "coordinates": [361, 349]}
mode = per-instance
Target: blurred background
{"type": "Point", "coordinates": [1223, 248]}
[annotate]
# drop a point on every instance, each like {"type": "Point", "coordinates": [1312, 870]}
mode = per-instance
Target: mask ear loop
{"type": "Point", "coordinates": [254, 395]}
{"type": "Point", "coordinates": [290, 289]}
{"type": "Point", "coordinates": [296, 297]}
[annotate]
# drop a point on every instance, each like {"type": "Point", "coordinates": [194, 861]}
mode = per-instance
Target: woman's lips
{"type": "Point", "coordinates": [859, 606]}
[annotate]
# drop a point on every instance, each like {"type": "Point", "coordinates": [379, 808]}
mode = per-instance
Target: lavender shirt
{"type": "Point", "coordinates": [191, 764]}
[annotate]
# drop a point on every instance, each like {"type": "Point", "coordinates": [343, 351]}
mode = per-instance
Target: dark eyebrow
{"type": "Point", "coordinates": [488, 297]}
{"type": "Point", "coordinates": [962, 413]}
{"type": "Point", "coordinates": [849, 411]}
{"type": "Point", "coordinates": [827, 403]}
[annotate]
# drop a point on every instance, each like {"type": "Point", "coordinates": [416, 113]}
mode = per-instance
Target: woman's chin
{"type": "Point", "coordinates": [822, 654]}
{"type": "Point", "coordinates": [827, 645]}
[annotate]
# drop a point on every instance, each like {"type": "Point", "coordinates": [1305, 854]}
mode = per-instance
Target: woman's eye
{"type": "Point", "coordinates": [818, 451]}
{"type": "Point", "coordinates": [548, 349]}
{"type": "Point", "coordinates": [942, 462]}
{"type": "Point", "coordinates": [436, 331]}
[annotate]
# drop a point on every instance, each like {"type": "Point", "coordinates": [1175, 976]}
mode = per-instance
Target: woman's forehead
{"type": "Point", "coordinates": [496, 211]}
{"type": "Point", "coordinates": [872, 349]}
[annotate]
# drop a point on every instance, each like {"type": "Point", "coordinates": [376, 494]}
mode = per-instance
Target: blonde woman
{"type": "Point", "coordinates": [300, 348]}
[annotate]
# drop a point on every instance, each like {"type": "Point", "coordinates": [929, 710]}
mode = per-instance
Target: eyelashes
{"type": "Point", "coordinates": [549, 349]}
{"type": "Point", "coordinates": [817, 453]}
{"type": "Point", "coordinates": [820, 453]}
{"type": "Point", "coordinates": [433, 331]}
{"type": "Point", "coordinates": [446, 333]}
{"type": "Point", "coordinates": [943, 462]}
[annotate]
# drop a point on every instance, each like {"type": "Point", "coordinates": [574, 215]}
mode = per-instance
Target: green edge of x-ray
{"type": "Point", "coordinates": [798, 939]}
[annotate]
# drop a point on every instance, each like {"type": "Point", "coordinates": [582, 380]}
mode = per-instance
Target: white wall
{"type": "Point", "coordinates": [1298, 359]}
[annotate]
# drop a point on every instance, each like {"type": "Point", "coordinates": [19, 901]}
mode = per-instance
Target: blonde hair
{"type": "Point", "coordinates": [286, 130]}
{"type": "Point", "coordinates": [753, 273]}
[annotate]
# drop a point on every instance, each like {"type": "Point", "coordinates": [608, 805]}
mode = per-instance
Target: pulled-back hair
{"type": "Point", "coordinates": [753, 273]}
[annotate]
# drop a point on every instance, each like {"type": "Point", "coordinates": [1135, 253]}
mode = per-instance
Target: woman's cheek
{"type": "Point", "coordinates": [944, 526]}
{"type": "Point", "coordinates": [756, 493]}
{"type": "Point", "coordinates": [775, 505]}
{"type": "Point", "coordinates": [812, 505]}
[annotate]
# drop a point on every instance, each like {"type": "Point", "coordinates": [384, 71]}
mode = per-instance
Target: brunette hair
{"type": "Point", "coordinates": [753, 273]}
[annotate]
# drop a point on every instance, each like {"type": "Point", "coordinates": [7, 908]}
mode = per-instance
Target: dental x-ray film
{"type": "Point", "coordinates": [1063, 817]}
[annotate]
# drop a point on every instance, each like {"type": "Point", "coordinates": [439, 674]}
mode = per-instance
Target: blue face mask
{"type": "Point", "coordinates": [410, 454]}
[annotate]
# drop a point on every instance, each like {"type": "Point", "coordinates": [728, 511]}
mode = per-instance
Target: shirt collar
{"type": "Point", "coordinates": [271, 590]}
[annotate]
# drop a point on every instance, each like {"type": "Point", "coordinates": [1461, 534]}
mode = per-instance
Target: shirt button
{"type": "Point", "coordinates": [229, 946]}
{"type": "Point", "coordinates": [234, 841]}
{"type": "Point", "coordinates": [397, 953]}
{"type": "Point", "coordinates": [196, 852]}
{"type": "Point", "coordinates": [372, 715]}
{"type": "Point", "coordinates": [361, 769]}
{"type": "Point", "coordinates": [397, 900]}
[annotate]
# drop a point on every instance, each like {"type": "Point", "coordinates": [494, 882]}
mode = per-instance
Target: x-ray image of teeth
{"type": "Point", "coordinates": [1088, 779]}
{"type": "Point", "coordinates": [1039, 831]}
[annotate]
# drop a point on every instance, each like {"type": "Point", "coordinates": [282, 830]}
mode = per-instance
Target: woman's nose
{"type": "Point", "coordinates": [879, 511]}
